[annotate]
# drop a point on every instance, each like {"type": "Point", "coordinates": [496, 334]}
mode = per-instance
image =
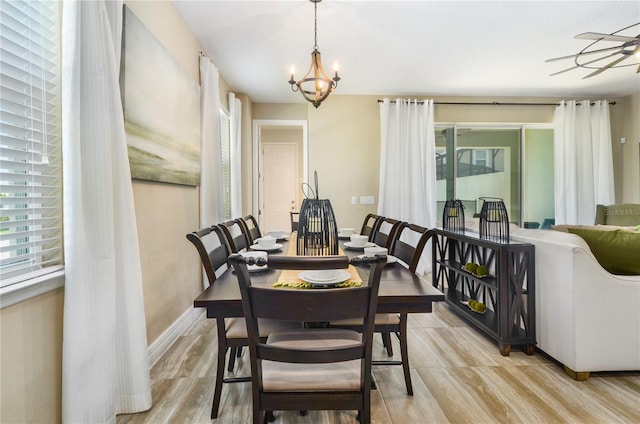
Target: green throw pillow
{"type": "Point", "coordinates": [617, 251]}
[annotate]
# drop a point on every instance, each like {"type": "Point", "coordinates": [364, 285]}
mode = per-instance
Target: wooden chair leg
{"type": "Point", "coordinates": [404, 353]}
{"type": "Point", "coordinates": [269, 417]}
{"type": "Point", "coordinates": [386, 341]}
{"type": "Point", "coordinates": [232, 359]}
{"type": "Point", "coordinates": [217, 392]}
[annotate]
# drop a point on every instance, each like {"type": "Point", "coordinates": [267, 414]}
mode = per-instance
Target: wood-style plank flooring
{"type": "Point", "coordinates": [458, 376]}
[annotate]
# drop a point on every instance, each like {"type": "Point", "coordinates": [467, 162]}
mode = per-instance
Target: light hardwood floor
{"type": "Point", "coordinates": [458, 377]}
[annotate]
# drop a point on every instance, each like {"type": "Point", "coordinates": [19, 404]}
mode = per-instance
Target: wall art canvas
{"type": "Point", "coordinates": [161, 109]}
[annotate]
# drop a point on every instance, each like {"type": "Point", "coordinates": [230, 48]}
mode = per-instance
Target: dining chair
{"type": "Point", "coordinates": [385, 231]}
{"type": "Point", "coordinates": [235, 235]}
{"type": "Point", "coordinates": [407, 244]}
{"type": "Point", "coordinates": [213, 248]}
{"type": "Point", "coordinates": [294, 220]}
{"type": "Point", "coordinates": [316, 368]}
{"type": "Point", "coordinates": [370, 225]}
{"type": "Point", "coordinates": [250, 228]}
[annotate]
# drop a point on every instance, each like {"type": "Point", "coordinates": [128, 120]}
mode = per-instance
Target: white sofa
{"type": "Point", "coordinates": [586, 318]}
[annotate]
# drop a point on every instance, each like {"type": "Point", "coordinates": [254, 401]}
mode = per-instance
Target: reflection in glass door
{"type": "Point", "coordinates": [485, 163]}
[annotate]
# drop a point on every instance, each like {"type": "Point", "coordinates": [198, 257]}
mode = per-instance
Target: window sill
{"type": "Point", "coordinates": [19, 292]}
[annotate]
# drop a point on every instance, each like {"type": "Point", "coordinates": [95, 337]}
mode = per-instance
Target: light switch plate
{"type": "Point", "coordinates": [366, 200]}
{"type": "Point", "coordinates": [354, 200]}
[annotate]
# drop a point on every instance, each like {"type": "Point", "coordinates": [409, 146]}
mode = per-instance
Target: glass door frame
{"type": "Point", "coordinates": [452, 165]}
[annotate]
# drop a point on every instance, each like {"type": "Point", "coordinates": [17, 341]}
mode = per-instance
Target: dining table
{"type": "Point", "coordinates": [401, 291]}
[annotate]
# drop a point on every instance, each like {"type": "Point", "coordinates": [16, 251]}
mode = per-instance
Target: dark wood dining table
{"type": "Point", "coordinates": [400, 289]}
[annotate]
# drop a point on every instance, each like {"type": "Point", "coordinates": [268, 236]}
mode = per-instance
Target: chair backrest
{"type": "Point", "coordinates": [235, 234]}
{"type": "Point", "coordinates": [212, 248]}
{"type": "Point", "coordinates": [370, 225]}
{"type": "Point", "coordinates": [308, 305]}
{"type": "Point", "coordinates": [250, 228]}
{"type": "Point", "coordinates": [294, 220]}
{"type": "Point", "coordinates": [385, 232]}
{"type": "Point", "coordinates": [409, 242]}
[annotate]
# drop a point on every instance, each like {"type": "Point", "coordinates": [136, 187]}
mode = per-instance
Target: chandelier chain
{"type": "Point", "coordinates": [315, 26]}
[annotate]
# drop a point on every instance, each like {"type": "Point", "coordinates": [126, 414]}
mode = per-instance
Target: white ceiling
{"type": "Point", "coordinates": [417, 48]}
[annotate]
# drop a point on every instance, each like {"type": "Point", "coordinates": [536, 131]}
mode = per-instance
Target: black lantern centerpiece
{"type": "Point", "coordinates": [453, 215]}
{"type": "Point", "coordinates": [494, 220]}
{"type": "Point", "coordinates": [317, 229]}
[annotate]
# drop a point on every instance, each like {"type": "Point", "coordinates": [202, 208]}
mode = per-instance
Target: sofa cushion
{"type": "Point", "coordinates": [617, 251]}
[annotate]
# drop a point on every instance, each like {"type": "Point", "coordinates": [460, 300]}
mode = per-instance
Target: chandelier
{"type": "Point", "coordinates": [316, 85]}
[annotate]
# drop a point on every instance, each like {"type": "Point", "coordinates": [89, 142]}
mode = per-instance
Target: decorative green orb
{"type": "Point", "coordinates": [482, 271]}
{"type": "Point", "coordinates": [471, 267]}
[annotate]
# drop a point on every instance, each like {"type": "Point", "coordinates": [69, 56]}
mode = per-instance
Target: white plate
{"type": "Point", "coordinates": [390, 259]}
{"type": "Point", "coordinates": [308, 276]}
{"type": "Point", "coordinates": [350, 245]}
{"type": "Point", "coordinates": [266, 249]}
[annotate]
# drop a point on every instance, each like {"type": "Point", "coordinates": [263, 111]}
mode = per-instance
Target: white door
{"type": "Point", "coordinates": [279, 180]}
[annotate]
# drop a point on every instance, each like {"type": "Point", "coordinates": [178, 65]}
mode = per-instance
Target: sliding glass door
{"type": "Point", "coordinates": [474, 163]}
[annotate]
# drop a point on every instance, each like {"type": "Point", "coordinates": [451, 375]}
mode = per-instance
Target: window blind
{"type": "Point", "coordinates": [225, 155]}
{"type": "Point", "coordinates": [30, 159]}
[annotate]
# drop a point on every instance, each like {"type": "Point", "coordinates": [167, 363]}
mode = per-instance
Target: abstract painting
{"type": "Point", "coordinates": [161, 109]}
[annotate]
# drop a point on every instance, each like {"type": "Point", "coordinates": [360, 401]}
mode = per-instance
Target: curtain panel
{"type": "Point", "coordinates": [583, 160]}
{"type": "Point", "coordinates": [105, 367]}
{"type": "Point", "coordinates": [407, 164]}
{"type": "Point", "coordinates": [235, 111]}
{"type": "Point", "coordinates": [211, 195]}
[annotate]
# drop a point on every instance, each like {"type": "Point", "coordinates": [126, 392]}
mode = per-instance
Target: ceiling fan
{"type": "Point", "coordinates": [629, 47]}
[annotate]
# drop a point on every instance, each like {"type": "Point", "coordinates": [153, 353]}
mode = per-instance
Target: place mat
{"type": "Point", "coordinates": [289, 277]}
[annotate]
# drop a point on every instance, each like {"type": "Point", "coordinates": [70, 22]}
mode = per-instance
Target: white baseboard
{"type": "Point", "coordinates": [161, 345]}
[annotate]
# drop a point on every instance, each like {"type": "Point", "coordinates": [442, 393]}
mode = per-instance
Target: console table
{"type": "Point", "coordinates": [508, 291]}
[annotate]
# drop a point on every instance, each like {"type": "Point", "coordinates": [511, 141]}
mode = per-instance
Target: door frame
{"type": "Point", "coordinates": [258, 125]}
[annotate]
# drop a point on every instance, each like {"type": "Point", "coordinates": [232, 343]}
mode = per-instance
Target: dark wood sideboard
{"type": "Point", "coordinates": [508, 291]}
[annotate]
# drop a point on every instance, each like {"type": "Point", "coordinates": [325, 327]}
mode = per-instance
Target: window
{"type": "Point", "coordinates": [493, 161]}
{"type": "Point", "coordinates": [30, 162]}
{"type": "Point", "coordinates": [225, 155]}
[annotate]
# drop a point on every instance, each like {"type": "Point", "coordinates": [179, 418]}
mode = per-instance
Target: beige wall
{"type": "Point", "coordinates": [630, 151]}
{"type": "Point", "coordinates": [344, 148]}
{"type": "Point", "coordinates": [167, 212]}
{"type": "Point", "coordinates": [31, 360]}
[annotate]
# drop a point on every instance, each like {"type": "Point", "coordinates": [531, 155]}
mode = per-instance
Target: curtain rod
{"type": "Point", "coordinates": [494, 103]}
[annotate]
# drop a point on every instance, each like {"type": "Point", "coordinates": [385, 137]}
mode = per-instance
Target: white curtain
{"type": "Point", "coordinates": [235, 111]}
{"type": "Point", "coordinates": [407, 164]}
{"type": "Point", "coordinates": [583, 160]}
{"type": "Point", "coordinates": [105, 366]}
{"type": "Point", "coordinates": [211, 192]}
{"type": "Point", "coordinates": [211, 205]}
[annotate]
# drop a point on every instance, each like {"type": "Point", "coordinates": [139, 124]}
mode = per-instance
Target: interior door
{"type": "Point", "coordinates": [279, 185]}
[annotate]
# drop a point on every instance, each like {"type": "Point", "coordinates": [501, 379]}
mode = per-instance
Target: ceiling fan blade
{"type": "Point", "coordinates": [604, 37]}
{"type": "Point", "coordinates": [583, 54]}
{"type": "Point", "coordinates": [609, 65]}
{"type": "Point", "coordinates": [585, 63]}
